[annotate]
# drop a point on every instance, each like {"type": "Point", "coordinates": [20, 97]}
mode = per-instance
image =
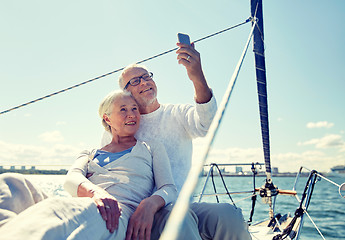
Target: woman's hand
{"type": "Point", "coordinates": [140, 223]}
{"type": "Point", "coordinates": [106, 203]}
{"type": "Point", "coordinates": [109, 209]}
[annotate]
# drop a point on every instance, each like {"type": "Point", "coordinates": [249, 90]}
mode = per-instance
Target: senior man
{"type": "Point", "coordinates": [176, 125]}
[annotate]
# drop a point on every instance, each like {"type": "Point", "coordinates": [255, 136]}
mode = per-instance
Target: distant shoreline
{"type": "Point", "coordinates": [226, 174]}
{"type": "Point", "coordinates": [262, 175]}
{"type": "Point", "coordinates": [35, 171]}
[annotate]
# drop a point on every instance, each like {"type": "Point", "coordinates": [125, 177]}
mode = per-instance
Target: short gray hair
{"type": "Point", "coordinates": [106, 106]}
{"type": "Point", "coordinates": [134, 65]}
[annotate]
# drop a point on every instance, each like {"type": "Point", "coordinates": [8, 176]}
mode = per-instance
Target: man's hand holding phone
{"type": "Point", "coordinates": [185, 53]}
{"type": "Point", "coordinates": [183, 38]}
{"type": "Point", "coordinates": [190, 58]}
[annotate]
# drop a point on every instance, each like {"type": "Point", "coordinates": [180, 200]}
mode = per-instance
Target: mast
{"type": "Point", "coordinates": [260, 68]}
{"type": "Point", "coordinates": [268, 190]}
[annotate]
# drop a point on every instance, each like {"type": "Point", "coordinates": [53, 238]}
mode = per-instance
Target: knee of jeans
{"type": "Point", "coordinates": [190, 215]}
{"type": "Point", "coordinates": [227, 211]}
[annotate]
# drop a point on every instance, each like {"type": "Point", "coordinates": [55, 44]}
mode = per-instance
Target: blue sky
{"type": "Point", "coordinates": [47, 46]}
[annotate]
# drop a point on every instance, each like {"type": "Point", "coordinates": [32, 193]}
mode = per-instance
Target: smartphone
{"type": "Point", "coordinates": [183, 38]}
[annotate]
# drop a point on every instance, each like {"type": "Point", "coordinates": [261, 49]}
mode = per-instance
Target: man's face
{"type": "Point", "coordinates": [145, 92]}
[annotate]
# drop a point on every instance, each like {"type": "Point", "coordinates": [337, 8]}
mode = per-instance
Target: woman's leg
{"type": "Point", "coordinates": [17, 194]}
{"type": "Point", "coordinates": [59, 218]}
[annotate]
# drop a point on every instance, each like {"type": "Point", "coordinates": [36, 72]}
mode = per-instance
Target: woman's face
{"type": "Point", "coordinates": [125, 117]}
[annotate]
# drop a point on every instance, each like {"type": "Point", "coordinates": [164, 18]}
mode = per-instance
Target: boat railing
{"type": "Point", "coordinates": [294, 228]}
{"type": "Point", "coordinates": [210, 173]}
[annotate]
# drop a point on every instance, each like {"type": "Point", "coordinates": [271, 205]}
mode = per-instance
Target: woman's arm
{"type": "Point", "coordinates": [140, 223]}
{"type": "Point", "coordinates": [78, 185]}
{"type": "Point", "coordinates": [162, 174]}
{"type": "Point", "coordinates": [76, 175]}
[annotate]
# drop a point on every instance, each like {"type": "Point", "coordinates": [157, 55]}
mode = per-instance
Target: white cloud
{"type": "Point", "coordinates": [31, 155]}
{"type": "Point", "coordinates": [60, 123]}
{"type": "Point", "coordinates": [327, 141]}
{"type": "Point", "coordinates": [286, 162]}
{"type": "Point", "coordinates": [321, 124]}
{"type": "Point", "coordinates": [53, 136]}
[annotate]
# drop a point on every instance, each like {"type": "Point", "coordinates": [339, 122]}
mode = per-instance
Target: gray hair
{"type": "Point", "coordinates": [134, 65]}
{"type": "Point", "coordinates": [106, 106]}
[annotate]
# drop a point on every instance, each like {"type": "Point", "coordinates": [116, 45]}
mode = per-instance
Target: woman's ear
{"type": "Point", "coordinates": [106, 119]}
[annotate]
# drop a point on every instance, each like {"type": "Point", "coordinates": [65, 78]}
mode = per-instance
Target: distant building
{"type": "Point", "coordinates": [239, 170]}
{"type": "Point", "coordinates": [12, 167]}
{"type": "Point", "coordinates": [22, 168]}
{"type": "Point", "coordinates": [338, 169]}
{"type": "Point", "coordinates": [1, 167]}
{"type": "Point", "coordinates": [33, 168]}
{"type": "Point", "coordinates": [275, 170]}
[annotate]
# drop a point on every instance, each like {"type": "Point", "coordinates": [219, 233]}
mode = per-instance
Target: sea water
{"type": "Point", "coordinates": [327, 208]}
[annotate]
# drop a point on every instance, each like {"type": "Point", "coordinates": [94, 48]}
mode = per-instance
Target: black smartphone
{"type": "Point", "coordinates": [183, 38]}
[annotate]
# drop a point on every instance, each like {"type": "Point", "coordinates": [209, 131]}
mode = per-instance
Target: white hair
{"type": "Point", "coordinates": [134, 65]}
{"type": "Point", "coordinates": [106, 106]}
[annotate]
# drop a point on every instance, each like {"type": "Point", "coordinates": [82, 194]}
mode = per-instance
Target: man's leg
{"type": "Point", "coordinates": [189, 229]}
{"type": "Point", "coordinates": [220, 221]}
{"type": "Point", "coordinates": [17, 194]}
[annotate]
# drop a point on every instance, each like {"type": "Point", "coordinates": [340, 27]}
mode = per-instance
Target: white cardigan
{"type": "Point", "coordinates": [131, 178]}
{"type": "Point", "coordinates": [175, 126]}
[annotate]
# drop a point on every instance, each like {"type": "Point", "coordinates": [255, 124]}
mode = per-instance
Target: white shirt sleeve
{"type": "Point", "coordinates": [77, 174]}
{"type": "Point", "coordinates": [197, 119]}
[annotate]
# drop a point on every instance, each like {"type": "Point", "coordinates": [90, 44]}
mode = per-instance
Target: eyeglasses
{"type": "Point", "coordinates": [137, 80]}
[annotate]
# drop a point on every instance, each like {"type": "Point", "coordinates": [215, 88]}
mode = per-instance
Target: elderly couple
{"type": "Point", "coordinates": [132, 182]}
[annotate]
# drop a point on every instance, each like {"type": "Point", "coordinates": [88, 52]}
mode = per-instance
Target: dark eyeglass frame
{"type": "Point", "coordinates": [137, 80]}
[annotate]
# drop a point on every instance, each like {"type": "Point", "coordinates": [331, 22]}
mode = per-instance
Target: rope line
{"type": "Point", "coordinates": [181, 207]}
{"type": "Point", "coordinates": [120, 69]}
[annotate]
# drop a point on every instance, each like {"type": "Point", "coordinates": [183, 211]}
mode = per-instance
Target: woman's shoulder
{"type": "Point", "coordinates": [88, 153]}
{"type": "Point", "coordinates": [149, 143]}
{"type": "Point", "coordinates": [152, 145]}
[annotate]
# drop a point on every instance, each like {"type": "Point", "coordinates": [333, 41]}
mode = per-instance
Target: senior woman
{"type": "Point", "coordinates": [121, 177]}
{"type": "Point", "coordinates": [128, 181]}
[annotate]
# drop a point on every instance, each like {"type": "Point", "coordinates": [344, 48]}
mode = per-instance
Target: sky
{"type": "Point", "coordinates": [47, 46]}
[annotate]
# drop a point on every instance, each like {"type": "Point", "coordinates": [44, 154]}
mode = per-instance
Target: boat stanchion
{"type": "Point", "coordinates": [342, 190]}
{"type": "Point", "coordinates": [341, 187]}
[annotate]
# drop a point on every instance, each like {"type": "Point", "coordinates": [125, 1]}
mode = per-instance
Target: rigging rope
{"type": "Point", "coordinates": [224, 185]}
{"type": "Point", "coordinates": [120, 69]}
{"type": "Point", "coordinates": [181, 207]}
{"type": "Point", "coordinates": [303, 207]}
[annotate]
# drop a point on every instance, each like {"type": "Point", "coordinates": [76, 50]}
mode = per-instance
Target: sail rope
{"type": "Point", "coordinates": [254, 196]}
{"type": "Point", "coordinates": [303, 207]}
{"type": "Point", "coordinates": [223, 181]}
{"type": "Point", "coordinates": [315, 226]}
{"type": "Point", "coordinates": [120, 69]}
{"type": "Point", "coordinates": [181, 207]}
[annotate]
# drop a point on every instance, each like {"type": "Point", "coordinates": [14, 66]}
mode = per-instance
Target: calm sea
{"type": "Point", "coordinates": [327, 208]}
